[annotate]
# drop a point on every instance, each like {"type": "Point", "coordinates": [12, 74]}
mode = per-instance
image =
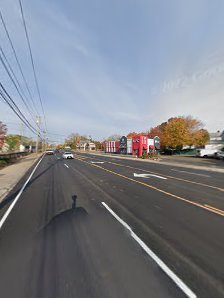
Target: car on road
{"type": "Point", "coordinates": [68, 155]}
{"type": "Point", "coordinates": [49, 152]}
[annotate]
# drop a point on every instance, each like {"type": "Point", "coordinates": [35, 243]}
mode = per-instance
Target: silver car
{"type": "Point", "coordinates": [219, 155]}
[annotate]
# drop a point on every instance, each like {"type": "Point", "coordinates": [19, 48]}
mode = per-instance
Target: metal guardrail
{"type": "Point", "coordinates": [13, 155]}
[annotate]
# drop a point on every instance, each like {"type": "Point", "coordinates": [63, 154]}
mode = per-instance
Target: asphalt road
{"type": "Point", "coordinates": [60, 241]}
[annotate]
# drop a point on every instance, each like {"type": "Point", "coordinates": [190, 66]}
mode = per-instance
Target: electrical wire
{"type": "Point", "coordinates": [32, 62]}
{"type": "Point", "coordinates": [16, 58]}
{"type": "Point", "coordinates": [11, 103]}
{"type": "Point", "coordinates": [4, 99]}
{"type": "Point", "coordinates": [14, 83]}
{"type": "Point", "coordinates": [16, 79]}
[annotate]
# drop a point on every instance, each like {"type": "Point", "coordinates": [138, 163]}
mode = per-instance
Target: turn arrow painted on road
{"type": "Point", "coordinates": [148, 176]}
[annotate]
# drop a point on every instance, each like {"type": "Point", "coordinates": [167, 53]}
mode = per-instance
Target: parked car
{"type": "Point", "coordinates": [68, 155]}
{"type": "Point", "coordinates": [206, 152]}
{"type": "Point", "coordinates": [219, 155]}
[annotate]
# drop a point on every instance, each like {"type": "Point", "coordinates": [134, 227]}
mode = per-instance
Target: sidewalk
{"type": "Point", "coordinates": [167, 161]}
{"type": "Point", "coordinates": [10, 175]}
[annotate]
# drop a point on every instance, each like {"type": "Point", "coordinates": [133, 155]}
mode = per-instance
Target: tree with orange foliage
{"type": "Point", "coordinates": [178, 132]}
{"type": "Point", "coordinates": [132, 134]}
{"type": "Point", "coordinates": [158, 131]}
{"type": "Point", "coordinates": [184, 131]}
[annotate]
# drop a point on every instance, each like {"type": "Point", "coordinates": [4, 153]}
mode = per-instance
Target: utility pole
{"type": "Point", "coordinates": [38, 129]}
{"type": "Point", "coordinates": [44, 141]}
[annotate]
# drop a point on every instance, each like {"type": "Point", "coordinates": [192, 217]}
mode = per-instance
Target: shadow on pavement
{"type": "Point", "coordinates": [76, 214]}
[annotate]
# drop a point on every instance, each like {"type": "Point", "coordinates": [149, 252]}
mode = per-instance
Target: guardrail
{"type": "Point", "coordinates": [13, 155]}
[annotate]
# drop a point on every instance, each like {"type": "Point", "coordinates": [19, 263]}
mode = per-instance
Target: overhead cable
{"type": "Point", "coordinates": [32, 62]}
{"type": "Point", "coordinates": [16, 58]}
{"type": "Point", "coordinates": [11, 103]}
{"type": "Point", "coordinates": [17, 88]}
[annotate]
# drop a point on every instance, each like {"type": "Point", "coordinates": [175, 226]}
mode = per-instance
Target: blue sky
{"type": "Point", "coordinates": [107, 67]}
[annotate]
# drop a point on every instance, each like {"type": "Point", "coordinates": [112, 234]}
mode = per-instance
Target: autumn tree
{"type": "Point", "coordinates": [176, 133]}
{"type": "Point", "coordinates": [3, 131]}
{"type": "Point", "coordinates": [132, 134]}
{"type": "Point", "coordinates": [184, 131]}
{"type": "Point", "coordinates": [157, 131]}
{"type": "Point", "coordinates": [74, 139]}
{"type": "Point", "coordinates": [99, 145]}
{"type": "Point", "coordinates": [200, 138]}
{"type": "Point", "coordinates": [114, 137]}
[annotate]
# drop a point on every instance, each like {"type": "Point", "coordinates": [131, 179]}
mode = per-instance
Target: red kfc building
{"type": "Point", "coordinates": [139, 145]}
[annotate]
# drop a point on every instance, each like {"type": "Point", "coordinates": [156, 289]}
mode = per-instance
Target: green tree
{"type": "Point", "coordinates": [13, 142]}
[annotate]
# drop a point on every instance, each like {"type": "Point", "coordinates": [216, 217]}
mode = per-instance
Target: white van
{"type": "Point", "coordinates": [206, 152]}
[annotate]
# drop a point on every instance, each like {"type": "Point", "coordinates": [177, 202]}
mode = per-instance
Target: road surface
{"type": "Point", "coordinates": [100, 227]}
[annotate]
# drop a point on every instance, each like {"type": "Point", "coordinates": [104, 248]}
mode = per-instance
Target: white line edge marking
{"type": "Point", "coordinates": [66, 165]}
{"type": "Point", "coordinates": [158, 261]}
{"type": "Point", "coordinates": [190, 173]}
{"type": "Point", "coordinates": [2, 221]}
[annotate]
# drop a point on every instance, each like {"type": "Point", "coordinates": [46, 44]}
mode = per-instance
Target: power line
{"type": "Point", "coordinates": [16, 58]}
{"type": "Point", "coordinates": [15, 78]}
{"type": "Point", "coordinates": [32, 62]}
{"type": "Point", "coordinates": [14, 83]}
{"type": "Point", "coordinates": [3, 97]}
{"type": "Point", "coordinates": [8, 99]}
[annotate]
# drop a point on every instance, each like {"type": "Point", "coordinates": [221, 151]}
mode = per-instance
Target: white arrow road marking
{"type": "Point", "coordinates": [66, 165]}
{"type": "Point", "coordinates": [97, 161]}
{"type": "Point", "coordinates": [148, 176]}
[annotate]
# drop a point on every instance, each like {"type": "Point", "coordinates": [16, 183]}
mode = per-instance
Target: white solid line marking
{"type": "Point", "coordinates": [190, 173]}
{"type": "Point", "coordinates": [158, 261]}
{"type": "Point", "coordinates": [66, 165]}
{"type": "Point", "coordinates": [18, 196]}
{"type": "Point", "coordinates": [148, 176]}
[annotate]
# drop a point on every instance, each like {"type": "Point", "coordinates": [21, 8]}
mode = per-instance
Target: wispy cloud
{"type": "Point", "coordinates": [122, 66]}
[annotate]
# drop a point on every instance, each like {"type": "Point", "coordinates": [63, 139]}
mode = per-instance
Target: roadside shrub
{"type": "Point", "coordinates": [145, 156]}
{"type": "Point", "coordinates": [3, 162]}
